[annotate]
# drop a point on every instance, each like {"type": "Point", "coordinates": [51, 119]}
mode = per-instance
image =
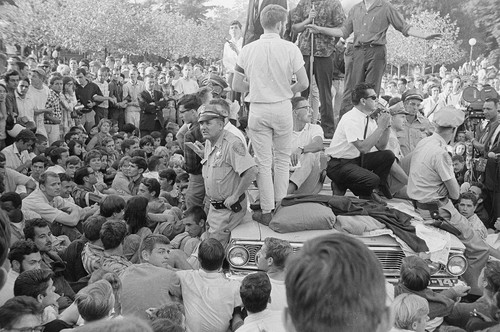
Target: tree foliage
{"type": "Point", "coordinates": [119, 26]}
{"type": "Point", "coordinates": [402, 50]}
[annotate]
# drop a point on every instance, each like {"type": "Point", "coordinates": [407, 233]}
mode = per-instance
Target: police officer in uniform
{"type": "Point", "coordinates": [228, 170]}
{"type": "Point", "coordinates": [432, 185]}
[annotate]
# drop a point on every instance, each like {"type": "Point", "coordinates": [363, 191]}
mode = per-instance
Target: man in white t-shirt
{"type": "Point", "coordinates": [271, 258]}
{"type": "Point", "coordinates": [307, 143]}
{"type": "Point", "coordinates": [186, 84]}
{"type": "Point", "coordinates": [39, 93]}
{"type": "Point", "coordinates": [264, 69]}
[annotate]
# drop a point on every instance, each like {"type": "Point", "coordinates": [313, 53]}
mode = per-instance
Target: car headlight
{"type": "Point", "coordinates": [457, 265]}
{"type": "Point", "coordinates": [238, 256]}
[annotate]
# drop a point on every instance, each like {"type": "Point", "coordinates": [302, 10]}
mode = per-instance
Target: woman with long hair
{"type": "Point", "coordinates": [136, 217]}
{"type": "Point", "coordinates": [76, 148]}
{"type": "Point", "coordinates": [68, 101]}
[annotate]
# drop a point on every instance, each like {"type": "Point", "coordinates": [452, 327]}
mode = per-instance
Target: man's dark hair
{"type": "Point", "coordinates": [126, 144]}
{"type": "Point", "coordinates": [112, 234]}
{"type": "Point", "coordinates": [149, 242]}
{"type": "Point", "coordinates": [56, 153]}
{"type": "Point", "coordinates": [140, 162]}
{"type": "Point", "coordinates": [9, 74]}
{"type": "Point", "coordinates": [112, 204]}
{"type": "Point", "coordinates": [168, 174]}
{"type": "Point", "coordinates": [469, 196]}
{"type": "Point", "coordinates": [278, 250]}
{"type": "Point", "coordinates": [153, 186]}
{"type": "Point", "coordinates": [80, 174]}
{"type": "Point", "coordinates": [29, 227]}
{"type": "Point", "coordinates": [197, 213]}
{"type": "Point", "coordinates": [296, 101]}
{"type": "Point", "coordinates": [67, 136]}
{"type": "Point", "coordinates": [173, 311]}
{"type": "Point", "coordinates": [235, 22]}
{"type": "Point", "coordinates": [25, 136]}
{"type": "Point", "coordinates": [129, 128]}
{"type": "Point", "coordinates": [492, 276]}
{"type": "Point", "coordinates": [145, 140]}
{"type": "Point", "coordinates": [40, 159]}
{"type": "Point", "coordinates": [153, 162]}
{"type": "Point", "coordinates": [480, 186]}
{"type": "Point", "coordinates": [211, 254]}
{"type": "Point", "coordinates": [255, 291]}
{"type": "Point", "coordinates": [16, 308]}
{"type": "Point", "coordinates": [20, 249]}
{"type": "Point", "coordinates": [81, 71]}
{"type": "Point", "coordinates": [189, 101]}
{"type": "Point", "coordinates": [156, 134]}
{"type": "Point", "coordinates": [360, 91]}
{"type": "Point", "coordinates": [494, 100]}
{"type": "Point", "coordinates": [65, 177]}
{"type": "Point", "coordinates": [139, 153]}
{"type": "Point", "coordinates": [92, 227]}
{"type": "Point", "coordinates": [32, 283]}
{"type": "Point", "coordinates": [349, 286]}
{"type": "Point", "coordinates": [13, 197]}
{"type": "Point", "coordinates": [415, 274]}
{"type": "Point", "coordinates": [458, 158]}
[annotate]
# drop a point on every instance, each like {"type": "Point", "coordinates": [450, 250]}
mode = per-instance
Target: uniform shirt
{"type": "Point", "coordinates": [351, 128]}
{"type": "Point", "coordinates": [370, 26]}
{"type": "Point", "coordinates": [266, 320]}
{"type": "Point", "coordinates": [209, 300]}
{"type": "Point", "coordinates": [330, 14]}
{"type": "Point", "coordinates": [14, 158]}
{"type": "Point", "coordinates": [413, 133]}
{"type": "Point", "coordinates": [223, 165]}
{"type": "Point", "coordinates": [430, 167]}
{"type": "Point", "coordinates": [136, 297]}
{"type": "Point", "coordinates": [269, 64]}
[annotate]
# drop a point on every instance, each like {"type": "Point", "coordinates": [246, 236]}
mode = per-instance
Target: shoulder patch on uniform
{"type": "Point", "coordinates": [239, 148]}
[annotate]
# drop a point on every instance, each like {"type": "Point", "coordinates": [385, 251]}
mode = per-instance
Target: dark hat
{"type": "Point", "coordinates": [44, 63]}
{"type": "Point", "coordinates": [39, 71]}
{"type": "Point", "coordinates": [398, 108]}
{"type": "Point", "coordinates": [449, 117]}
{"type": "Point", "coordinates": [212, 112]}
{"type": "Point", "coordinates": [411, 94]}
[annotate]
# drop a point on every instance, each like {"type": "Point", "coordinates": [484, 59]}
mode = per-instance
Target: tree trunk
{"type": "Point", "coordinates": [399, 70]}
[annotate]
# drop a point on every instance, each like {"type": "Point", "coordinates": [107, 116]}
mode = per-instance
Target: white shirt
{"type": "Point", "coordinates": [267, 320]}
{"type": "Point", "coordinates": [230, 57]}
{"type": "Point", "coordinates": [351, 128]}
{"type": "Point", "coordinates": [14, 158]}
{"type": "Point", "coordinates": [306, 135]}
{"type": "Point", "coordinates": [209, 300]}
{"type": "Point", "coordinates": [278, 295]}
{"type": "Point", "coordinates": [105, 92]}
{"type": "Point", "coordinates": [26, 106]}
{"type": "Point", "coordinates": [7, 291]}
{"type": "Point", "coordinates": [184, 86]}
{"type": "Point", "coordinates": [269, 64]}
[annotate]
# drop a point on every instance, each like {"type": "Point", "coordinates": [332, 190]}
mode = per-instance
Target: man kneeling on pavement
{"type": "Point", "coordinates": [432, 185]}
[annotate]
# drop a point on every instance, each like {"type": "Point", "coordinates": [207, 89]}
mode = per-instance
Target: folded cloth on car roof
{"type": "Point", "coordinates": [393, 219]}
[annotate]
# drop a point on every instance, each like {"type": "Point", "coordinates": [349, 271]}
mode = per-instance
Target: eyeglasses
{"type": "Point", "coordinates": [38, 328]}
{"type": "Point", "coordinates": [371, 97]}
{"type": "Point", "coordinates": [309, 108]}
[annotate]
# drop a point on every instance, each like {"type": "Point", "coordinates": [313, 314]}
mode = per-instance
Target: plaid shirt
{"type": "Point", "coordinates": [330, 14]}
{"type": "Point", "coordinates": [54, 102]}
{"type": "Point", "coordinates": [91, 257]}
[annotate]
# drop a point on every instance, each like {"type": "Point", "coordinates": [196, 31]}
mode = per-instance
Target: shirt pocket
{"type": "Point", "coordinates": [375, 23]}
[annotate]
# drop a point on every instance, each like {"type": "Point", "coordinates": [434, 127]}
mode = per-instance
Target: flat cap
{"type": "Point", "coordinates": [411, 94]}
{"type": "Point", "coordinates": [39, 71]}
{"type": "Point", "coordinates": [449, 117]}
{"type": "Point", "coordinates": [398, 108]}
{"type": "Point", "coordinates": [211, 112]}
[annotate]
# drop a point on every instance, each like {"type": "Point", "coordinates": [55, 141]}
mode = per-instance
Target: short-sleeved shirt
{"type": "Point", "coordinates": [430, 167]}
{"type": "Point", "coordinates": [12, 179]}
{"type": "Point", "coordinates": [394, 146]}
{"type": "Point", "coordinates": [330, 14]}
{"type": "Point", "coordinates": [37, 201]}
{"type": "Point", "coordinates": [413, 133]}
{"type": "Point", "coordinates": [269, 64]}
{"type": "Point", "coordinates": [223, 165]}
{"type": "Point", "coordinates": [186, 87]}
{"type": "Point", "coordinates": [350, 129]}
{"type": "Point", "coordinates": [306, 135]}
{"type": "Point", "coordinates": [370, 26]}
{"type": "Point", "coordinates": [131, 92]}
{"type": "Point", "coordinates": [209, 300]}
{"type": "Point", "coordinates": [136, 297]}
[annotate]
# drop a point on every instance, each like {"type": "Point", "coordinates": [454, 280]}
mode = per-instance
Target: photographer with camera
{"type": "Point", "coordinates": [487, 138]}
{"type": "Point", "coordinates": [358, 159]}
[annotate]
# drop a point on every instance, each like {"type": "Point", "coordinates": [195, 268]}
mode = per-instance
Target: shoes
{"type": "Point", "coordinates": [374, 197]}
{"type": "Point", "coordinates": [255, 206]}
{"type": "Point", "coordinates": [384, 189]}
{"type": "Point", "coordinates": [262, 218]}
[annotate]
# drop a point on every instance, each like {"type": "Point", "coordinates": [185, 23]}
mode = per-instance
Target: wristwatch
{"type": "Point", "coordinates": [302, 149]}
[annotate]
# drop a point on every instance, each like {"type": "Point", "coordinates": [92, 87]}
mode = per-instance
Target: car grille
{"type": "Point", "coordinates": [390, 258]}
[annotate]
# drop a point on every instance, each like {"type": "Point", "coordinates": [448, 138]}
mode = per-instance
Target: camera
{"type": "Point", "coordinates": [476, 100]}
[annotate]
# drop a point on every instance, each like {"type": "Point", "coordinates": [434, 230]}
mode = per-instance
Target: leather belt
{"type": "Point", "coordinates": [430, 206]}
{"type": "Point", "coordinates": [218, 205]}
{"type": "Point", "coordinates": [366, 45]}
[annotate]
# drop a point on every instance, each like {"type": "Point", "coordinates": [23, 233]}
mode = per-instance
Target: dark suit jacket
{"type": "Point", "coordinates": [151, 112]}
{"type": "Point", "coordinates": [253, 28]}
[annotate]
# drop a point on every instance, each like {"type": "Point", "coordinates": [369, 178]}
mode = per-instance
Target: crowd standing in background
{"type": "Point", "coordinates": [120, 183]}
